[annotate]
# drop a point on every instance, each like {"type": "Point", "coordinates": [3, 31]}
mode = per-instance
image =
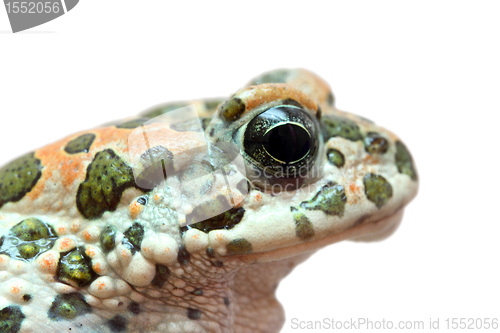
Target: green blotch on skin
{"type": "Point", "coordinates": [197, 292]}
{"type": "Point", "coordinates": [161, 276]}
{"type": "Point", "coordinates": [378, 190]}
{"type": "Point", "coordinates": [108, 176]}
{"type": "Point", "coordinates": [404, 161]}
{"type": "Point", "coordinates": [81, 144]}
{"type": "Point", "coordinates": [335, 157]}
{"type": "Point", "coordinates": [11, 318]}
{"type": "Point", "coordinates": [205, 122]}
{"type": "Point", "coordinates": [134, 123]}
{"type": "Point", "coordinates": [194, 314]}
{"type": "Point", "coordinates": [330, 99]}
{"type": "Point", "coordinates": [18, 178]}
{"type": "Point", "coordinates": [210, 252]}
{"type": "Point", "coordinates": [339, 126]}
{"type": "Point", "coordinates": [163, 109]}
{"type": "Point", "coordinates": [319, 113]}
{"type": "Point", "coordinates": [76, 267]}
{"type": "Point", "coordinates": [117, 324]}
{"type": "Point", "coordinates": [276, 76]}
{"type": "Point", "coordinates": [133, 237]}
{"type": "Point", "coordinates": [331, 199]}
{"type": "Point", "coordinates": [28, 251]}
{"type": "Point", "coordinates": [68, 307]}
{"type": "Point", "coordinates": [239, 246]}
{"type": "Point", "coordinates": [292, 102]}
{"type": "Point", "coordinates": [226, 220]}
{"type": "Point", "coordinates": [16, 248]}
{"type": "Point", "coordinates": [27, 239]}
{"type": "Point", "coordinates": [375, 143]}
{"type": "Point", "coordinates": [232, 109]}
{"type": "Point", "coordinates": [303, 227]}
{"type": "Point", "coordinates": [135, 308]}
{"type": "Point", "coordinates": [162, 271]}
{"type": "Point", "coordinates": [107, 238]}
{"type": "Point", "coordinates": [183, 256]}
{"type": "Point", "coordinates": [32, 229]}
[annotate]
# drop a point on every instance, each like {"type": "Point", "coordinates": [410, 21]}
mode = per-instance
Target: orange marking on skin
{"type": "Point", "coordinates": [87, 235]}
{"type": "Point", "coordinates": [90, 252]}
{"type": "Point", "coordinates": [157, 197]}
{"type": "Point", "coordinates": [101, 285]}
{"type": "Point", "coordinates": [134, 209]}
{"type": "Point", "coordinates": [61, 230]}
{"type": "Point", "coordinates": [353, 199]}
{"type": "Point", "coordinates": [49, 262]}
{"type": "Point", "coordinates": [73, 168]}
{"type": "Point", "coordinates": [124, 253]}
{"type": "Point", "coordinates": [257, 197]}
{"type": "Point", "coordinates": [75, 227]}
{"type": "Point", "coordinates": [14, 290]}
{"type": "Point", "coordinates": [195, 237]}
{"type": "Point", "coordinates": [65, 243]}
{"type": "Point", "coordinates": [371, 159]}
{"type": "Point", "coordinates": [255, 96]}
{"type": "Point", "coordinates": [219, 237]}
{"type": "Point", "coordinates": [97, 267]}
{"type": "Point", "coordinates": [238, 199]}
{"type": "Point", "coordinates": [353, 187]}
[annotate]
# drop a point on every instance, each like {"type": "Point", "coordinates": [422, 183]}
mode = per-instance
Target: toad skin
{"type": "Point", "coordinates": [93, 240]}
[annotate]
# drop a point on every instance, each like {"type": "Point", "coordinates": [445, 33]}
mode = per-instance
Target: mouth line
{"type": "Point", "coordinates": [356, 233]}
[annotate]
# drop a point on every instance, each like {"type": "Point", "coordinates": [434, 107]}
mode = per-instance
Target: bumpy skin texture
{"type": "Point", "coordinates": [96, 240]}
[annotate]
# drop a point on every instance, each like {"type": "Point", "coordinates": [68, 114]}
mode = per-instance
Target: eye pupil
{"type": "Point", "coordinates": [288, 142]}
{"type": "Point", "coordinates": [281, 144]}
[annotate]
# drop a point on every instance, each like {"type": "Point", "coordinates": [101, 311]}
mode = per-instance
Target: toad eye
{"type": "Point", "coordinates": [282, 141]}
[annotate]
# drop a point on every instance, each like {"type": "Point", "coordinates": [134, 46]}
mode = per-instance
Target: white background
{"type": "Point", "coordinates": [427, 70]}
